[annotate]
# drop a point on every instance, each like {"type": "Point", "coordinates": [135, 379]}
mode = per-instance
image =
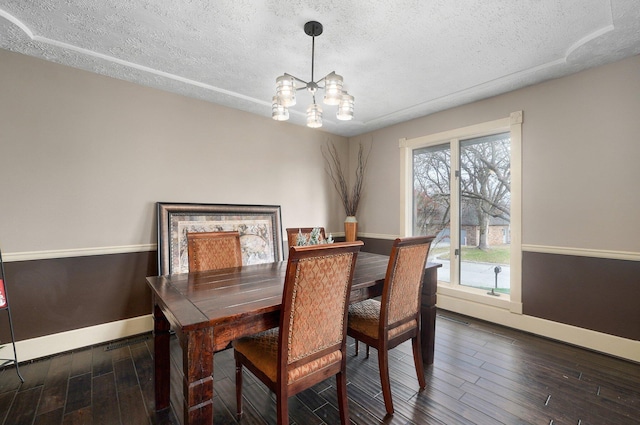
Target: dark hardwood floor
{"type": "Point", "coordinates": [483, 374]}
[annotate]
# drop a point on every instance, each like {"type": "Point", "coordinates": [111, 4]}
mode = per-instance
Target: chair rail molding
{"type": "Point", "coordinates": [77, 252]}
{"type": "Point", "coordinates": [582, 252]}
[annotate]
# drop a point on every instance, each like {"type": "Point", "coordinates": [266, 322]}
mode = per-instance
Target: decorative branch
{"type": "Point", "coordinates": [350, 198]}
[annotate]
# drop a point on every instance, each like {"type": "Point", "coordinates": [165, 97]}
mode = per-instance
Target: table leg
{"type": "Point", "coordinates": [428, 313]}
{"type": "Point", "coordinates": [161, 358]}
{"type": "Point", "coordinates": [198, 376]}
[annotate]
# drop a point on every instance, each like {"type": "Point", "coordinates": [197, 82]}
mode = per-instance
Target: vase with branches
{"type": "Point", "coordinates": [350, 196]}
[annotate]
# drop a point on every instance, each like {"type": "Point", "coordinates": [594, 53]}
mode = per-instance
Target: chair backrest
{"type": "Point", "coordinates": [213, 250]}
{"type": "Point", "coordinates": [403, 282]}
{"type": "Point", "coordinates": [292, 234]}
{"type": "Point", "coordinates": [315, 300]}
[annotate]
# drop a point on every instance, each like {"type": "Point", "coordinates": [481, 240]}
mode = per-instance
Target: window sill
{"type": "Point", "coordinates": [477, 296]}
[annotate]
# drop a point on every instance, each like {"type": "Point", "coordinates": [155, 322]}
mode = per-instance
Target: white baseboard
{"type": "Point", "coordinates": [65, 341]}
{"type": "Point", "coordinates": [604, 343]}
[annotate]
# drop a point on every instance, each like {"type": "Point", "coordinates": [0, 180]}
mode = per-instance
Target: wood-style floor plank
{"type": "Point", "coordinates": [56, 382]}
{"type": "Point", "coordinates": [5, 404]}
{"type": "Point", "coordinates": [105, 400]}
{"type": "Point", "coordinates": [78, 417]}
{"type": "Point", "coordinates": [22, 410]}
{"type": "Point", "coordinates": [79, 393]}
{"type": "Point", "coordinates": [81, 361]}
{"type": "Point", "coordinates": [53, 417]}
{"type": "Point", "coordinates": [102, 361]}
{"type": "Point", "coordinates": [483, 374]}
{"type": "Point", "coordinates": [143, 362]}
{"type": "Point", "coordinates": [132, 406]}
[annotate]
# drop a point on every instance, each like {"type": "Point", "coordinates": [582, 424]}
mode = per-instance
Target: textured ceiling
{"type": "Point", "coordinates": [401, 59]}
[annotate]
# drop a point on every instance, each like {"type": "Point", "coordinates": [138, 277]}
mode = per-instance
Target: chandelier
{"type": "Point", "coordinates": [287, 85]}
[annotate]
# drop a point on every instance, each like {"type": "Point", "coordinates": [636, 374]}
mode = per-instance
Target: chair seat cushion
{"type": "Point", "coordinates": [262, 350]}
{"type": "Point", "coordinates": [364, 317]}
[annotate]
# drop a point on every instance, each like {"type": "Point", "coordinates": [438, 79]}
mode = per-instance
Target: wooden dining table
{"type": "Point", "coordinates": [207, 310]}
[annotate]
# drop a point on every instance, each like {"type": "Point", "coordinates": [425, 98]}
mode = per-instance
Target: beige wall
{"type": "Point", "coordinates": [84, 158]}
{"type": "Point", "coordinates": [581, 159]}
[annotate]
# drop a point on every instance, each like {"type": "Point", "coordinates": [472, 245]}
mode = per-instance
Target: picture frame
{"type": "Point", "coordinates": [260, 229]}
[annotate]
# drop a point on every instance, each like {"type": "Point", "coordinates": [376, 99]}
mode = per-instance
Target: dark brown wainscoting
{"type": "Point", "coordinates": [57, 295]}
{"type": "Point", "coordinates": [592, 293]}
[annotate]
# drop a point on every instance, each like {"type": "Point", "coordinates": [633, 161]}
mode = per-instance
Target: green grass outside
{"type": "Point", "coordinates": [493, 255]}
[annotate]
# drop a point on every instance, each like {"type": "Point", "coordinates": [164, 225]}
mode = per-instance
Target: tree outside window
{"type": "Point", "coordinates": [480, 191]}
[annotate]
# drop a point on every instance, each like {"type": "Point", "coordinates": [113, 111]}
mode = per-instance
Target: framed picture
{"type": "Point", "coordinates": [260, 229]}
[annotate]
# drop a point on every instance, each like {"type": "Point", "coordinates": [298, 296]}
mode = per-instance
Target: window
{"type": "Point", "coordinates": [463, 186]}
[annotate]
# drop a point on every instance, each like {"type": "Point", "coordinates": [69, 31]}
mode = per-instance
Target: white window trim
{"type": "Point", "coordinates": [513, 124]}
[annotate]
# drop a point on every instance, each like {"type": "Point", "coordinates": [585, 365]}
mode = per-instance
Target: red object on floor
{"type": "Point", "coordinates": [3, 297]}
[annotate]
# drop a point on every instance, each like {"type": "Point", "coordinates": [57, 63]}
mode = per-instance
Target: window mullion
{"type": "Point", "coordinates": [454, 224]}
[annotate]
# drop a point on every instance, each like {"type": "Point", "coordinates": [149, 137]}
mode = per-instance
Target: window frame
{"type": "Point", "coordinates": [511, 124]}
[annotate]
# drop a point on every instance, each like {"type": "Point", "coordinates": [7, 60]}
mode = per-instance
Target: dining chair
{"type": "Point", "coordinates": [292, 234]}
{"type": "Point", "coordinates": [213, 250]}
{"type": "Point", "coordinates": [396, 318]}
{"type": "Point", "coordinates": [309, 345]}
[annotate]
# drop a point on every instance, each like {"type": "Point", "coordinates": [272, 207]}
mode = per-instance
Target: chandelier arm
{"type": "Point", "coordinates": [324, 78]}
{"type": "Point", "coordinates": [296, 78]}
{"type": "Point", "coordinates": [332, 84]}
